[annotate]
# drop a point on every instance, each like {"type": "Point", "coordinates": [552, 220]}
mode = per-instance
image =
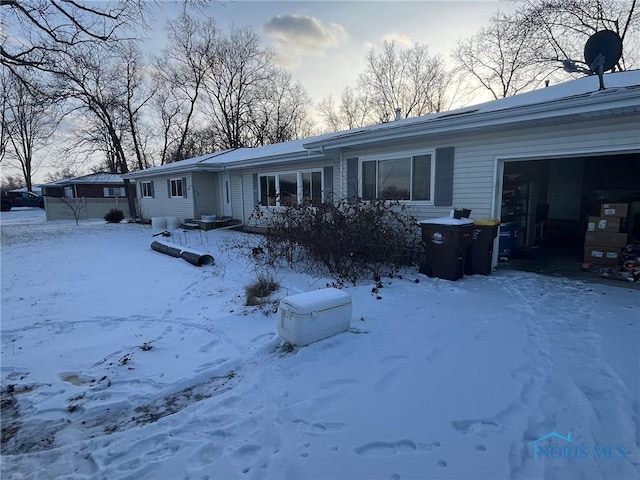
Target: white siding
{"type": "Point", "coordinates": [161, 205]}
{"type": "Point", "coordinates": [205, 188]}
{"type": "Point", "coordinates": [243, 201]}
{"type": "Point", "coordinates": [238, 202]}
{"type": "Point", "coordinates": [475, 183]}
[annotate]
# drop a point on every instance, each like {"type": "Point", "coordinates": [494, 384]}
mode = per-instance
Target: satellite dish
{"type": "Point", "coordinates": [606, 43]}
{"type": "Point", "coordinates": [601, 53]}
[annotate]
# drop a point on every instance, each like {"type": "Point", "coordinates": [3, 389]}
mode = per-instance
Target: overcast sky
{"type": "Point", "coordinates": [323, 43]}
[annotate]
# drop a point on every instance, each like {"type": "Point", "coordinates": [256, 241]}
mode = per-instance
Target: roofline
{"type": "Point", "coordinates": [302, 155]}
{"type": "Point", "coordinates": [176, 167]}
{"type": "Point", "coordinates": [583, 105]}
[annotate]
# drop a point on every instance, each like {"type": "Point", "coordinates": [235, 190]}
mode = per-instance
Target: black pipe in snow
{"type": "Point", "coordinates": [194, 258]}
{"type": "Point", "coordinates": [162, 248]}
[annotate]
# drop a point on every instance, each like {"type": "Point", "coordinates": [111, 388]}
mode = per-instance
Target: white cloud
{"type": "Point", "coordinates": [399, 39]}
{"type": "Point", "coordinates": [298, 35]}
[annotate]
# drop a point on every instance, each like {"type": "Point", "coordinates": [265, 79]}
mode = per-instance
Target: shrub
{"type": "Point", "coordinates": [351, 241]}
{"type": "Point", "coordinates": [114, 216]}
{"type": "Point", "coordinates": [261, 289]}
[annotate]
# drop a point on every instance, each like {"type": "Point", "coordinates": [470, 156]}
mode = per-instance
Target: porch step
{"type": "Point", "coordinates": [192, 224]}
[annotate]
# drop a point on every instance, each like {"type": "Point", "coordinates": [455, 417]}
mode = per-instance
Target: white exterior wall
{"type": "Point", "coordinates": [206, 194]}
{"type": "Point", "coordinates": [239, 207]}
{"type": "Point", "coordinates": [477, 175]}
{"type": "Point", "coordinates": [243, 201]}
{"type": "Point", "coordinates": [161, 205]}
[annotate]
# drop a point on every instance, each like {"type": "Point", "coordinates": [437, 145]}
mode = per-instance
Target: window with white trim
{"type": "Point", "coordinates": [114, 191]}
{"type": "Point", "coordinates": [290, 188]}
{"type": "Point", "coordinates": [176, 187]}
{"type": "Point", "coordinates": [407, 176]}
{"type": "Point", "coordinates": [147, 189]}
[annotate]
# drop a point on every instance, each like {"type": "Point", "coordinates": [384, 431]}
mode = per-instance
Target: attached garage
{"type": "Point", "coordinates": [558, 195]}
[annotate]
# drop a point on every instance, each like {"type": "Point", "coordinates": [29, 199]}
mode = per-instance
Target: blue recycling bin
{"type": "Point", "coordinates": [508, 239]}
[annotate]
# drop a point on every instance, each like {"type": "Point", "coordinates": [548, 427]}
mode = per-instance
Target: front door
{"type": "Point", "coordinates": [225, 194]}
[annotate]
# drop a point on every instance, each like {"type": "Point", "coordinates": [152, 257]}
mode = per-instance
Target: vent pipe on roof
{"type": "Point", "coordinates": [398, 114]}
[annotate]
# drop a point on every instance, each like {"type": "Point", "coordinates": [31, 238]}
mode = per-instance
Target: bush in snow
{"type": "Point", "coordinates": [114, 216]}
{"type": "Point", "coordinates": [351, 241]}
{"type": "Point", "coordinates": [261, 289]}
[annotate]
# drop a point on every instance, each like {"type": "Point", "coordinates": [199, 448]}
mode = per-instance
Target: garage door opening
{"type": "Point", "coordinates": [546, 205]}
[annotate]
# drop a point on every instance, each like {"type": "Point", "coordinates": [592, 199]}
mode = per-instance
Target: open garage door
{"type": "Point", "coordinates": [546, 205]}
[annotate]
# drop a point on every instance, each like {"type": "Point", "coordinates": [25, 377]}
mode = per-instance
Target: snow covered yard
{"type": "Point", "coordinates": [121, 362]}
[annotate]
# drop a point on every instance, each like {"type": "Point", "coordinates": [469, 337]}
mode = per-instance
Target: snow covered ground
{"type": "Point", "coordinates": [119, 362]}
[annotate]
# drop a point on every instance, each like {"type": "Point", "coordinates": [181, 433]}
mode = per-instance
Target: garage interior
{"type": "Point", "coordinates": [547, 203]}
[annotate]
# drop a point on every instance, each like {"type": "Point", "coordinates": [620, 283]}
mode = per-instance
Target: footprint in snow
{"type": "Point", "coordinates": [477, 426]}
{"type": "Point", "coordinates": [380, 449]}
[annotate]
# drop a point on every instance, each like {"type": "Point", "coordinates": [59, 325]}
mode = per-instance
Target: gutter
{"type": "Point", "coordinates": [625, 98]}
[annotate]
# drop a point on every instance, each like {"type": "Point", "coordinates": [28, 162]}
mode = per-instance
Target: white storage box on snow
{"type": "Point", "coordinates": [308, 317]}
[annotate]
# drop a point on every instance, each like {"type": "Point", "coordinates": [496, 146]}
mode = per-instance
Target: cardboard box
{"type": "Point", "coordinates": [607, 239]}
{"type": "Point", "coordinates": [614, 210]}
{"type": "Point", "coordinates": [604, 224]}
{"type": "Point", "coordinates": [601, 255]}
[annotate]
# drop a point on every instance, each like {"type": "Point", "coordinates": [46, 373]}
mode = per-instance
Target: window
{"type": "Point", "coordinates": [147, 189]}
{"type": "Point", "coordinates": [402, 177]}
{"type": "Point", "coordinates": [176, 187]}
{"type": "Point", "coordinates": [114, 191]}
{"type": "Point", "coordinates": [290, 188]}
{"type": "Point", "coordinates": [312, 188]}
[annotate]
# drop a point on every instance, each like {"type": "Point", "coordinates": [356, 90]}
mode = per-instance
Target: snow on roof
{"type": "Point", "coordinates": [267, 151]}
{"type": "Point", "coordinates": [573, 88]}
{"type": "Point", "coordinates": [102, 178]}
{"type": "Point", "coordinates": [307, 147]}
{"type": "Point", "coordinates": [179, 165]}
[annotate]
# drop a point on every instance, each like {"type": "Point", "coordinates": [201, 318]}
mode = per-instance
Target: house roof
{"type": "Point", "coordinates": [102, 178]}
{"type": "Point", "coordinates": [573, 99]}
{"type": "Point", "coordinates": [240, 157]}
{"type": "Point", "coordinates": [577, 97]}
{"type": "Point", "coordinates": [186, 165]}
{"type": "Point", "coordinates": [293, 149]}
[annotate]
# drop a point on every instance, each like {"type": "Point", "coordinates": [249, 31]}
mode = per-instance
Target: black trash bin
{"type": "Point", "coordinates": [446, 242]}
{"type": "Point", "coordinates": [480, 253]}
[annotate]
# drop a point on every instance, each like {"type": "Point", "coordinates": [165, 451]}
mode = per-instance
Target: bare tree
{"type": "Point", "coordinates": [279, 113]}
{"type": "Point", "coordinates": [182, 69]}
{"type": "Point", "coordinates": [11, 182]}
{"type": "Point", "coordinates": [409, 79]}
{"type": "Point", "coordinates": [4, 104]}
{"type": "Point", "coordinates": [94, 88]}
{"type": "Point", "coordinates": [502, 58]}
{"type": "Point", "coordinates": [28, 120]}
{"type": "Point", "coordinates": [139, 92]}
{"type": "Point", "coordinates": [353, 111]}
{"type": "Point", "coordinates": [562, 27]}
{"type": "Point", "coordinates": [239, 69]}
{"type": "Point", "coordinates": [60, 174]}
{"type": "Point", "coordinates": [38, 32]}
{"type": "Point", "coordinates": [75, 205]}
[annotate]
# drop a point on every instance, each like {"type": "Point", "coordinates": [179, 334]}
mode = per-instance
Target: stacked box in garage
{"type": "Point", "coordinates": [605, 237]}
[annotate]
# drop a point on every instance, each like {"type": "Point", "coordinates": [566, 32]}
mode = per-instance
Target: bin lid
{"type": "Point", "coordinates": [486, 221]}
{"type": "Point", "coordinates": [446, 221]}
{"type": "Point", "coordinates": [316, 300]}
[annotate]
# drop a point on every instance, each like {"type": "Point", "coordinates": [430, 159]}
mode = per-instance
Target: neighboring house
{"type": "Point", "coordinates": [94, 185]}
{"type": "Point", "coordinates": [572, 145]}
{"type": "Point", "coordinates": [98, 193]}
